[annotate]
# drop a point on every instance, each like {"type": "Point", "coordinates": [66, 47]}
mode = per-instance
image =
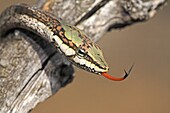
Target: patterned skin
{"type": "Point", "coordinates": [71, 41]}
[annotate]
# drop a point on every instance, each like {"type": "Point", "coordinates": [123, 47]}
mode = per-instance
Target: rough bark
{"type": "Point", "coordinates": [31, 70]}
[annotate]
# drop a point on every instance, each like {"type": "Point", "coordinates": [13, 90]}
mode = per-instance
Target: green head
{"type": "Point", "coordinates": [81, 51]}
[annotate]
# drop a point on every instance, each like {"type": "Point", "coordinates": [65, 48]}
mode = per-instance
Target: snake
{"type": "Point", "coordinates": [68, 39]}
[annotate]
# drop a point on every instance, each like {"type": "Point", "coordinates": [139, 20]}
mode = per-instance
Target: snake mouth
{"type": "Point", "coordinates": [99, 71]}
{"type": "Point", "coordinates": [95, 70]}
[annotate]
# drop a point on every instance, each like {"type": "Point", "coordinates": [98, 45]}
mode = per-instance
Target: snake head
{"type": "Point", "coordinates": [82, 51]}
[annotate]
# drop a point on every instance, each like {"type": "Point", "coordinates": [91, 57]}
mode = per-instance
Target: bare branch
{"type": "Point", "coordinates": [96, 17]}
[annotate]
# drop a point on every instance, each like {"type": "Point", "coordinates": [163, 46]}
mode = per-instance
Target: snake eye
{"type": "Point", "coordinates": [81, 52]}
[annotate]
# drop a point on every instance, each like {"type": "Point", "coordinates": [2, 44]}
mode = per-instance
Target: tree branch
{"type": "Point", "coordinates": [31, 70]}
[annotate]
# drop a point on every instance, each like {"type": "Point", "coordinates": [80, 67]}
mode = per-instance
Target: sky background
{"type": "Point", "coordinates": [146, 90]}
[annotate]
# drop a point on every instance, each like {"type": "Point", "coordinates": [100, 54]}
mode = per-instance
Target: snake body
{"type": "Point", "coordinates": [71, 41]}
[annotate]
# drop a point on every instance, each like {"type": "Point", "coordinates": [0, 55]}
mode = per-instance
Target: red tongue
{"type": "Point", "coordinates": [115, 78]}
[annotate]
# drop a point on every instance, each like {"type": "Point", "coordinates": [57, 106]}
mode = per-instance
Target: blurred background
{"type": "Point", "coordinates": [146, 90]}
